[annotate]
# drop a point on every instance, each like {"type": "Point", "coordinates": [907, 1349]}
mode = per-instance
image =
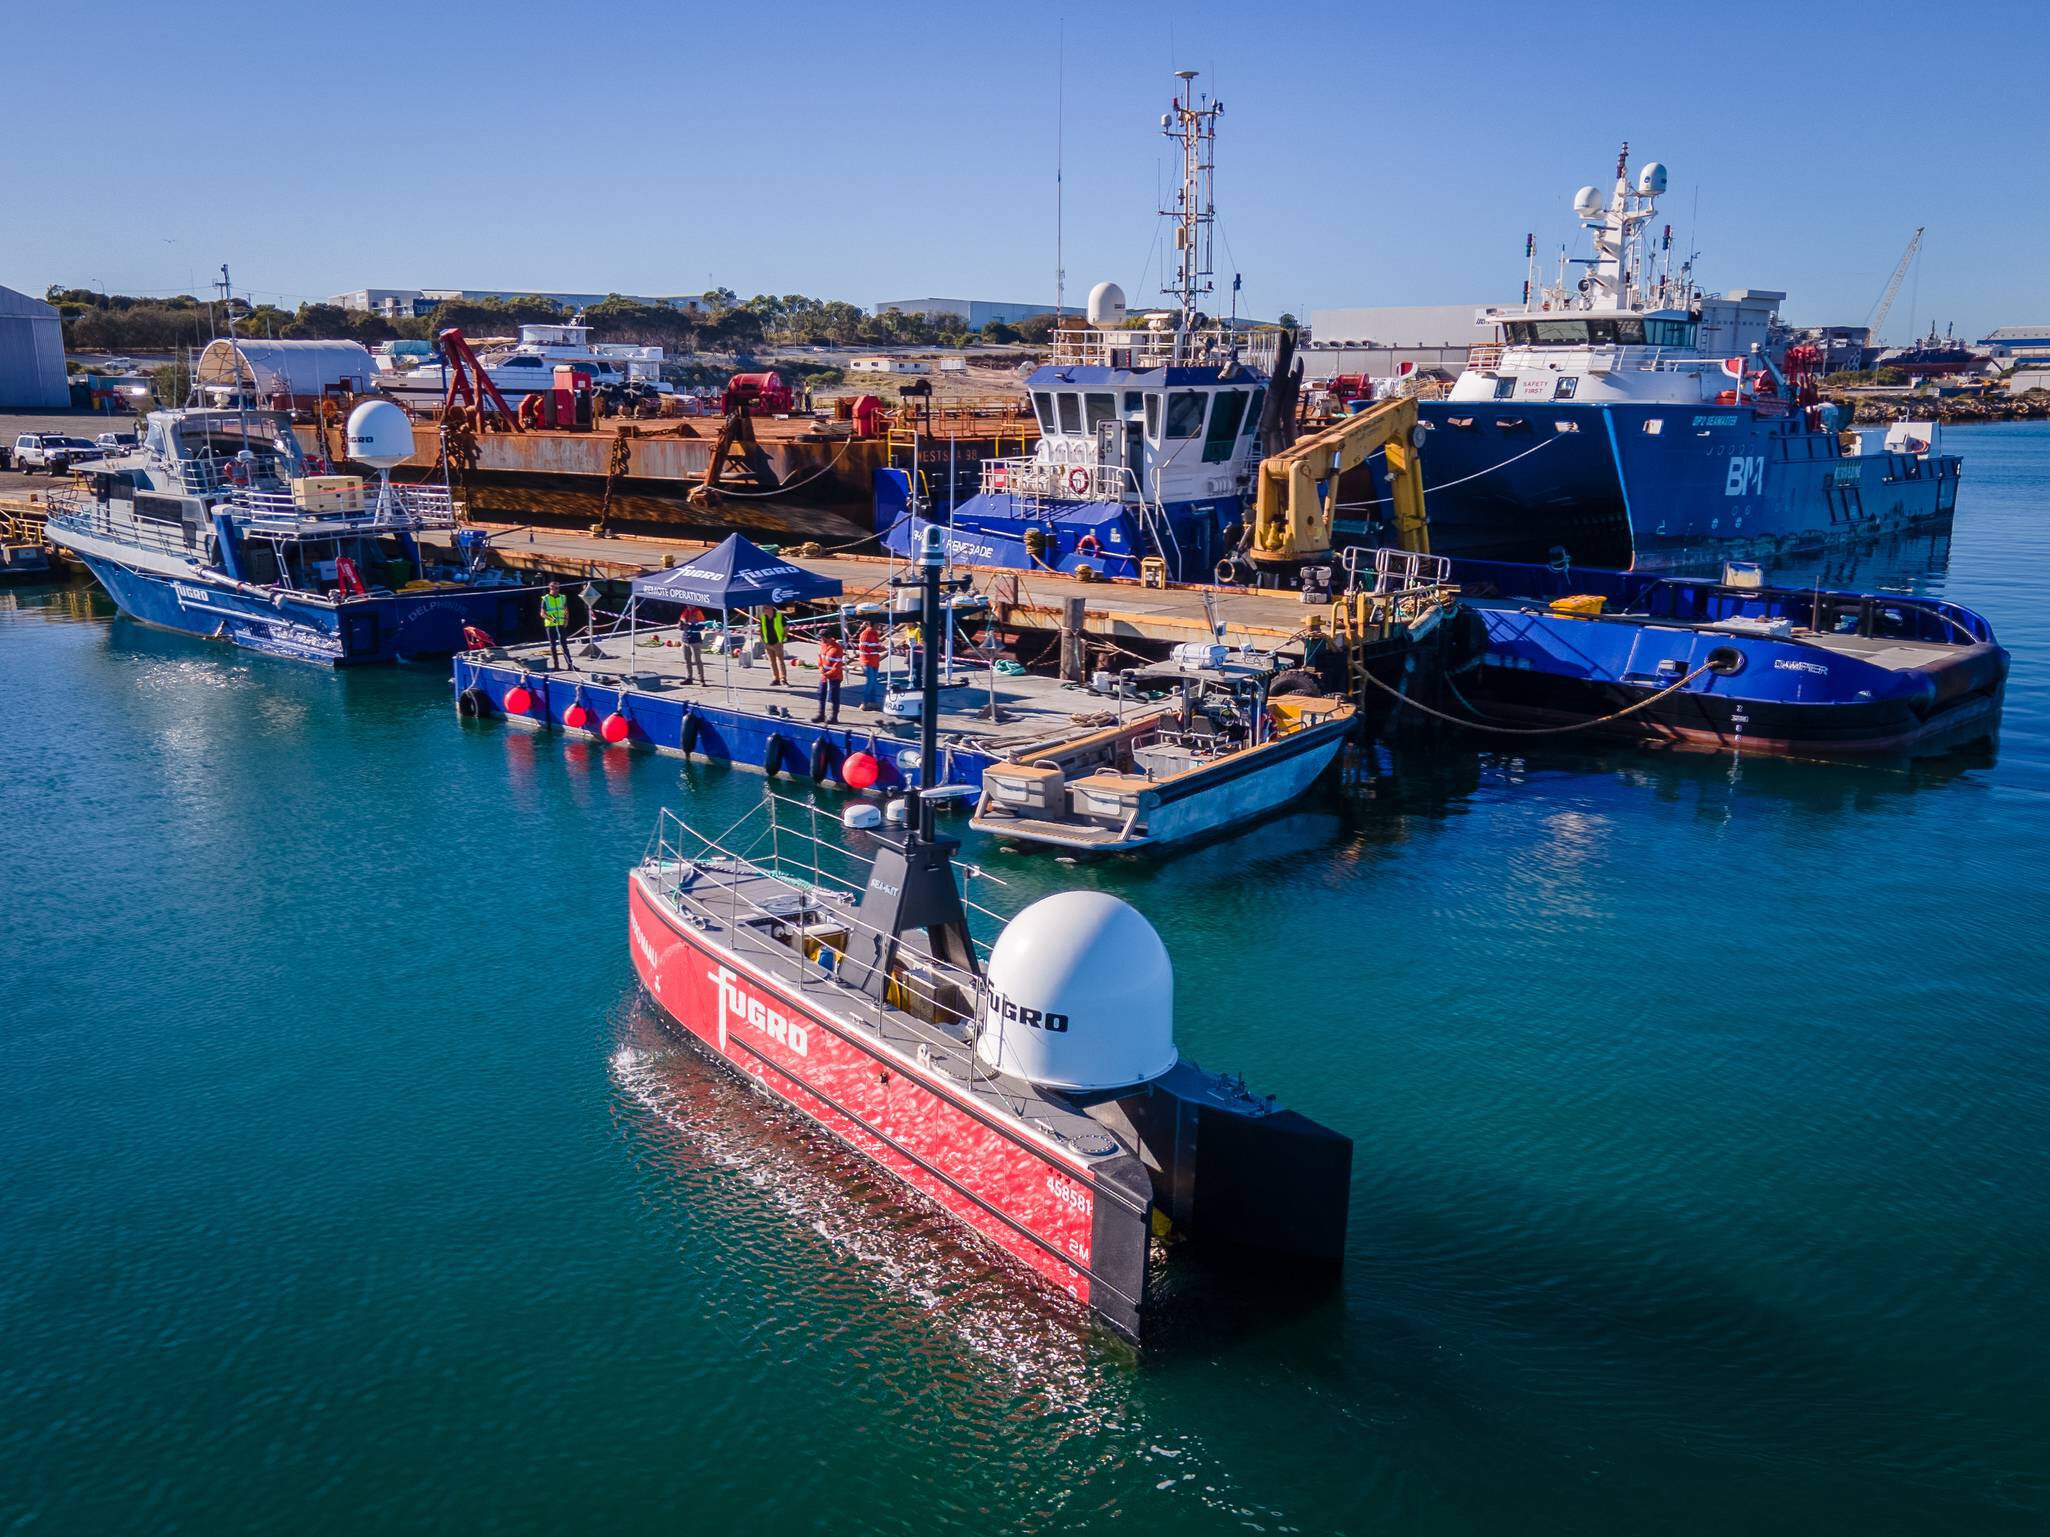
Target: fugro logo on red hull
{"type": "Point", "coordinates": [738, 1006]}
{"type": "Point", "coordinates": [992, 1181]}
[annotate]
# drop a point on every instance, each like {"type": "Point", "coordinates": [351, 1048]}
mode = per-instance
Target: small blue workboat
{"type": "Point", "coordinates": [23, 560]}
{"type": "Point", "coordinates": [218, 525]}
{"type": "Point", "coordinates": [1728, 663]}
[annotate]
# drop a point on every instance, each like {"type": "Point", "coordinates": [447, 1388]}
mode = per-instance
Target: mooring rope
{"type": "Point", "coordinates": [1484, 725]}
{"type": "Point", "coordinates": [1476, 475]}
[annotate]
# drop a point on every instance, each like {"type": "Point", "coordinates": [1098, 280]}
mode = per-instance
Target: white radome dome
{"type": "Point", "coordinates": [1080, 996]}
{"type": "Point", "coordinates": [1106, 306]}
{"type": "Point", "coordinates": [379, 434]}
{"type": "Point", "coordinates": [1587, 202]}
{"type": "Point", "coordinates": [1651, 181]}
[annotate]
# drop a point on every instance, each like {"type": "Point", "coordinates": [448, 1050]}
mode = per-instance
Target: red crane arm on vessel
{"type": "Point", "coordinates": [468, 383]}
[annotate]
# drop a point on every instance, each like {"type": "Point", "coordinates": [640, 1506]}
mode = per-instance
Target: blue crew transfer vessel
{"type": "Point", "coordinates": [1627, 420]}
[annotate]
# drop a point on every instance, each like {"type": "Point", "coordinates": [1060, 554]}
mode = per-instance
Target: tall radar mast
{"type": "Point", "coordinates": [1194, 127]}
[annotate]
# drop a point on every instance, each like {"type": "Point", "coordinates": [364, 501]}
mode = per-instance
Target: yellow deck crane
{"type": "Point", "coordinates": [1295, 489]}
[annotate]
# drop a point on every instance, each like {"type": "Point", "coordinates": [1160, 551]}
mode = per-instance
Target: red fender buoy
{"type": "Point", "coordinates": [576, 717]}
{"type": "Point", "coordinates": [859, 770]}
{"type": "Point", "coordinates": [518, 701]}
{"type": "Point", "coordinates": [615, 728]}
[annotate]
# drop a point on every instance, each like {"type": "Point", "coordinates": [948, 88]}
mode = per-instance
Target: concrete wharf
{"type": "Point", "coordinates": [737, 714]}
{"type": "Point", "coordinates": [1020, 600]}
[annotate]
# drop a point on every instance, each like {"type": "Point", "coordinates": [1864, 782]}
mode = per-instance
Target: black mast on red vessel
{"type": "Point", "coordinates": [911, 886]}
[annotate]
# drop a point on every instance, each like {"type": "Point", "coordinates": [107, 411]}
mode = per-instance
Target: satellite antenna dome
{"type": "Point", "coordinates": [1106, 305]}
{"type": "Point", "coordinates": [379, 434]}
{"type": "Point", "coordinates": [1587, 202]}
{"type": "Point", "coordinates": [1651, 181]}
{"type": "Point", "coordinates": [1080, 996]}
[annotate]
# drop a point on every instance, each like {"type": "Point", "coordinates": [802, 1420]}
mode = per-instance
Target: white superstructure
{"type": "Point", "coordinates": [1630, 327]}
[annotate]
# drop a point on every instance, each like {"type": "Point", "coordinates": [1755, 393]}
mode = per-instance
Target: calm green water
{"type": "Point", "coordinates": [1702, 1110]}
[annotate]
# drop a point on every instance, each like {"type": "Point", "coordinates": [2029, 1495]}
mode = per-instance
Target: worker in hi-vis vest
{"type": "Point", "coordinates": [774, 633]}
{"type": "Point", "coordinates": [555, 620]}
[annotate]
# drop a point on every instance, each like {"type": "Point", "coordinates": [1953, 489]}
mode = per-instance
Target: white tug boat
{"type": "Point", "coordinates": [1216, 745]}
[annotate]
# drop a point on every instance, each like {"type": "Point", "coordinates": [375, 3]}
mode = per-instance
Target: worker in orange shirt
{"type": "Point", "coordinates": [832, 669]}
{"type": "Point", "coordinates": [869, 651]}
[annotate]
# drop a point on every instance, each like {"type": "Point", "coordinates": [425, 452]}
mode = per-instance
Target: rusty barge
{"type": "Point", "coordinates": [778, 478]}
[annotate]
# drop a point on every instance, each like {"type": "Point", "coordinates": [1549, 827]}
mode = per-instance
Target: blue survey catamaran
{"type": "Point", "coordinates": [1151, 425]}
{"type": "Point", "coordinates": [1627, 420]}
{"type": "Point", "coordinates": [217, 525]}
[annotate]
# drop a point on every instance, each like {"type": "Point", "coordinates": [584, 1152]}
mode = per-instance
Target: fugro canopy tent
{"type": "Point", "coordinates": [738, 574]}
{"type": "Point", "coordinates": [268, 369]}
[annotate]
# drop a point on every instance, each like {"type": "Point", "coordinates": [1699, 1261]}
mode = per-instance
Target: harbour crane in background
{"type": "Point", "coordinates": [1893, 288]}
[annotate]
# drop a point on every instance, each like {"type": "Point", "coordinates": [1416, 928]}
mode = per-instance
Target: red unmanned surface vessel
{"type": "Point", "coordinates": [1032, 1091]}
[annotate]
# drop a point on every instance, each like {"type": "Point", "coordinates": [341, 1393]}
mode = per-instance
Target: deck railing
{"type": "Point", "coordinates": [77, 512]}
{"type": "Point", "coordinates": [1090, 480]}
{"type": "Point", "coordinates": [1144, 347]}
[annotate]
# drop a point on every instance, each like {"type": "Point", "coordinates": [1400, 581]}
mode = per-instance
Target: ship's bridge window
{"type": "Point", "coordinates": [1505, 387]}
{"type": "Point", "coordinates": [1132, 400]}
{"type": "Point", "coordinates": [1567, 387]}
{"type": "Point", "coordinates": [1253, 409]}
{"type": "Point", "coordinates": [1071, 413]}
{"type": "Point", "coordinates": [1225, 417]}
{"type": "Point", "coordinates": [1626, 329]}
{"type": "Point", "coordinates": [1669, 333]}
{"type": "Point", "coordinates": [1042, 407]}
{"type": "Point", "coordinates": [1153, 415]}
{"type": "Point", "coordinates": [1099, 408]}
{"type": "Point", "coordinates": [1184, 414]}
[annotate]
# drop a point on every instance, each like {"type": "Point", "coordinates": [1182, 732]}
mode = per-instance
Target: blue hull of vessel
{"type": "Point", "coordinates": [1929, 675]}
{"type": "Point", "coordinates": [721, 734]}
{"type": "Point", "coordinates": [1650, 487]}
{"type": "Point", "coordinates": [358, 631]}
{"type": "Point", "coordinates": [1016, 533]}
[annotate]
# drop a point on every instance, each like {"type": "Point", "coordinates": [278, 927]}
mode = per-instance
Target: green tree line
{"type": "Point", "coordinates": [728, 323]}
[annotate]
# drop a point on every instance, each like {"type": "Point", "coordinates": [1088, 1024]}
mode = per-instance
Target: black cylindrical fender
{"type": "Point", "coordinates": [688, 739]}
{"type": "Point", "coordinates": [772, 752]}
{"type": "Point", "coordinates": [473, 703]}
{"type": "Point", "coordinates": [821, 760]}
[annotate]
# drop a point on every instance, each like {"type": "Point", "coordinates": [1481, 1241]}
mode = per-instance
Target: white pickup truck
{"type": "Point", "coordinates": [54, 452]}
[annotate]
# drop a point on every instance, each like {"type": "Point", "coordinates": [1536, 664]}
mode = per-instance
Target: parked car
{"type": "Point", "coordinates": [117, 442]}
{"type": "Point", "coordinates": [55, 452]}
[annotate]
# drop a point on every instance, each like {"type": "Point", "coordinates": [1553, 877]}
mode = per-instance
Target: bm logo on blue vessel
{"type": "Point", "coordinates": [1009, 1012]}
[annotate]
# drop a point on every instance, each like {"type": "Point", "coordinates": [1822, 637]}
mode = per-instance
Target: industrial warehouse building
{"type": "Point", "coordinates": [290, 375]}
{"type": "Point", "coordinates": [1377, 342]}
{"type": "Point", "coordinates": [31, 354]}
{"type": "Point", "coordinates": [973, 313]}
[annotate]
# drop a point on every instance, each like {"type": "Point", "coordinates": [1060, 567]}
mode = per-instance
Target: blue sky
{"type": "Point", "coordinates": [1374, 154]}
